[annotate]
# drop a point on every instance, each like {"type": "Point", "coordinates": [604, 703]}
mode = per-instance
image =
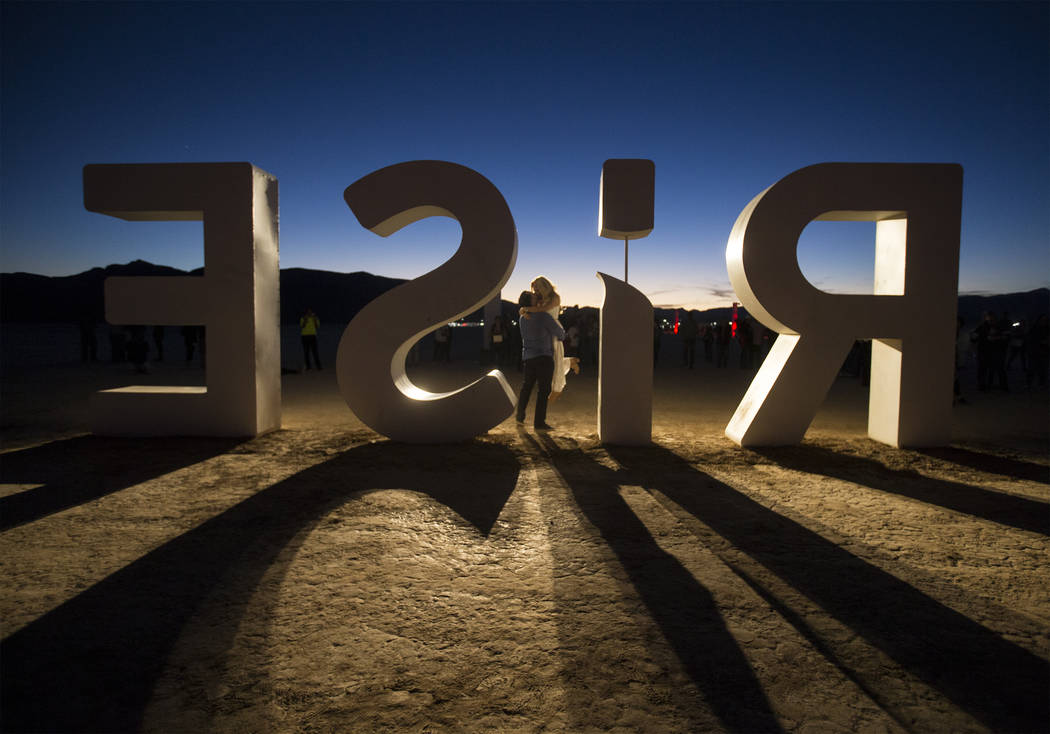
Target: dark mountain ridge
{"type": "Point", "coordinates": [29, 298]}
{"type": "Point", "coordinates": [337, 297]}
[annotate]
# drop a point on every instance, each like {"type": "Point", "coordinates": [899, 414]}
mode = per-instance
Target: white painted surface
{"type": "Point", "coordinates": [910, 317]}
{"type": "Point", "coordinates": [237, 300]}
{"type": "Point", "coordinates": [625, 365]}
{"type": "Point", "coordinates": [370, 361]}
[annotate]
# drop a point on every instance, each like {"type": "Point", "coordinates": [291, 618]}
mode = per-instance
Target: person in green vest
{"type": "Point", "coordinates": [308, 326]}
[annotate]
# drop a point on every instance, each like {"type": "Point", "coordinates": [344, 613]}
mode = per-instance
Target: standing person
{"type": "Point", "coordinates": [190, 334]}
{"type": "Point", "coordinates": [708, 335]}
{"type": "Point", "coordinates": [308, 326]}
{"type": "Point", "coordinates": [539, 331]}
{"type": "Point", "coordinates": [745, 335]}
{"type": "Point", "coordinates": [583, 323]}
{"type": "Point", "coordinates": [499, 340]}
{"type": "Point", "coordinates": [689, 331]}
{"type": "Point", "coordinates": [443, 344]}
{"type": "Point", "coordinates": [88, 340]}
{"type": "Point", "coordinates": [572, 340]}
{"type": "Point", "coordinates": [545, 299]}
{"type": "Point", "coordinates": [724, 335]}
{"type": "Point", "coordinates": [1015, 346]}
{"type": "Point", "coordinates": [656, 340]}
{"type": "Point", "coordinates": [137, 348]}
{"type": "Point", "coordinates": [991, 352]}
{"type": "Point", "coordinates": [158, 341]}
{"type": "Point", "coordinates": [514, 350]}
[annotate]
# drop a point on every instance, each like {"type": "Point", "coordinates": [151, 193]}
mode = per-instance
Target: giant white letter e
{"type": "Point", "coordinates": [910, 317]}
{"type": "Point", "coordinates": [236, 299]}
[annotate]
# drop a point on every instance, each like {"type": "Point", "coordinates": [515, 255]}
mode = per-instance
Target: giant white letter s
{"type": "Point", "coordinates": [370, 363]}
{"type": "Point", "coordinates": [911, 317]}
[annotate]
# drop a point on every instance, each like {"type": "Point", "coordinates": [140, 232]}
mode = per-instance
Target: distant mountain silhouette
{"type": "Point", "coordinates": [337, 297]}
{"type": "Point", "coordinates": [1026, 305]}
{"type": "Point", "coordinates": [28, 298]}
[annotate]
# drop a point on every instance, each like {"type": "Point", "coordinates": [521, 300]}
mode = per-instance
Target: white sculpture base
{"type": "Point", "coordinates": [625, 365]}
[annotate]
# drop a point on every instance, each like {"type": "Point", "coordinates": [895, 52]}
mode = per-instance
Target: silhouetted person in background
{"type": "Point", "coordinates": [707, 334]}
{"type": "Point", "coordinates": [118, 341]}
{"type": "Point", "coordinates": [193, 337]}
{"type": "Point", "coordinates": [88, 340]}
{"type": "Point", "coordinates": [745, 336]}
{"type": "Point", "coordinates": [308, 326]}
{"type": "Point", "coordinates": [768, 337]}
{"type": "Point", "coordinates": [500, 340]}
{"type": "Point", "coordinates": [991, 352]}
{"type": "Point", "coordinates": [514, 350]}
{"type": "Point", "coordinates": [688, 331]}
{"type": "Point", "coordinates": [538, 332]}
{"type": "Point", "coordinates": [443, 344]}
{"type": "Point", "coordinates": [656, 341]}
{"type": "Point", "coordinates": [158, 341]}
{"type": "Point", "coordinates": [138, 349]}
{"type": "Point", "coordinates": [723, 337]}
{"type": "Point", "coordinates": [572, 339]}
{"type": "Point", "coordinates": [189, 341]}
{"type": "Point", "coordinates": [589, 338]}
{"type": "Point", "coordinates": [1015, 339]}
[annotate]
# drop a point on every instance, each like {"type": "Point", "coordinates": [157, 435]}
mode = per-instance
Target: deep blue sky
{"type": "Point", "coordinates": [726, 99]}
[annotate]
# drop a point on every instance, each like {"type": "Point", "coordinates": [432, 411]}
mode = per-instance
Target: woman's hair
{"type": "Point", "coordinates": [543, 286]}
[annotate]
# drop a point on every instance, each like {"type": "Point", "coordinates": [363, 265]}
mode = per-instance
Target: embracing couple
{"type": "Point", "coordinates": [542, 351]}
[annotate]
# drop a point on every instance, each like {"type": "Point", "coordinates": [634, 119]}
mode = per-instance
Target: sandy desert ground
{"type": "Point", "coordinates": [324, 579]}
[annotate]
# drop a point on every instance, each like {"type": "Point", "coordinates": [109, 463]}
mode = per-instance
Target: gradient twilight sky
{"type": "Point", "coordinates": [725, 98]}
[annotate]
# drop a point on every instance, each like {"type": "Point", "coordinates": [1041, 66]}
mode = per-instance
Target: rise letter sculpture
{"type": "Point", "coordinates": [910, 318]}
{"type": "Point", "coordinates": [625, 354]}
{"type": "Point", "coordinates": [370, 363]}
{"type": "Point", "coordinates": [236, 300]}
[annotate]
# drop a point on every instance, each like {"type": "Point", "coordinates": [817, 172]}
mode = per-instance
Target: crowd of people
{"type": "Point", "coordinates": [132, 344]}
{"type": "Point", "coordinates": [999, 346]}
{"type": "Point", "coordinates": [717, 339]}
{"type": "Point", "coordinates": [998, 343]}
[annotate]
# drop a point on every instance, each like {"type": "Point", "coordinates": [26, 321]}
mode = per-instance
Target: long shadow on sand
{"type": "Point", "coordinates": [91, 664]}
{"type": "Point", "coordinates": [1008, 467]}
{"type": "Point", "coordinates": [1018, 512]}
{"type": "Point", "coordinates": [1001, 684]}
{"type": "Point", "coordinates": [73, 471]}
{"type": "Point", "coordinates": [685, 611]}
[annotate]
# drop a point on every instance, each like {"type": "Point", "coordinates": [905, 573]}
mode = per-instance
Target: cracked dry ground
{"type": "Point", "coordinates": [324, 579]}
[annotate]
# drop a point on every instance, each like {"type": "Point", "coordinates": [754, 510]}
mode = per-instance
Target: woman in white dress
{"type": "Point", "coordinates": [547, 299]}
